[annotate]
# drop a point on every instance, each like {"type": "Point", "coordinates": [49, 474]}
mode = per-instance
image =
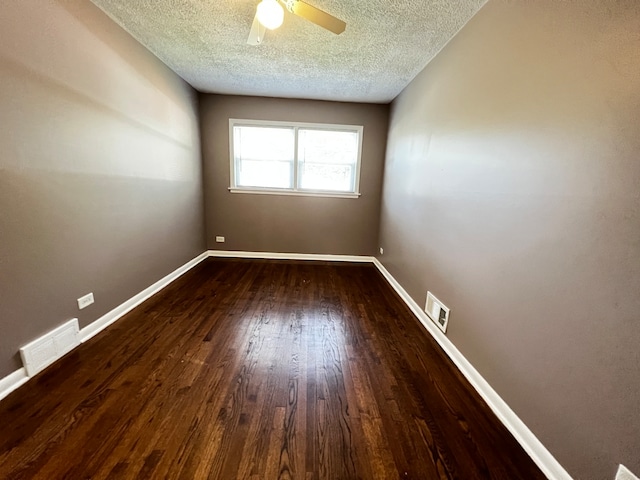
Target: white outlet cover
{"type": "Point", "coordinates": [220, 239]}
{"type": "Point", "coordinates": [625, 474]}
{"type": "Point", "coordinates": [381, 251]}
{"type": "Point", "coordinates": [84, 302]}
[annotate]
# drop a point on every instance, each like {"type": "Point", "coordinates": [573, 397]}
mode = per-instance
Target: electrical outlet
{"type": "Point", "coordinates": [84, 302]}
{"type": "Point", "coordinates": [219, 239]}
{"type": "Point", "coordinates": [625, 474]}
{"type": "Point", "coordinates": [381, 251]}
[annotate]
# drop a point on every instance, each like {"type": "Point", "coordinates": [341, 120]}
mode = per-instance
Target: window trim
{"type": "Point", "coordinates": [239, 122]}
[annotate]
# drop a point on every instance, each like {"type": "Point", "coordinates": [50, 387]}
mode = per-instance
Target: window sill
{"type": "Point", "coordinates": [295, 193]}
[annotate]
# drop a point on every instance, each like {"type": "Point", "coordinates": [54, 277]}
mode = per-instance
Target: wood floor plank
{"type": "Point", "coordinates": [255, 369]}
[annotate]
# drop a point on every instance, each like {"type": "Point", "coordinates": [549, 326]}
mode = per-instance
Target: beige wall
{"type": "Point", "coordinates": [276, 223]}
{"type": "Point", "coordinates": [512, 191]}
{"type": "Point", "coordinates": [100, 181]}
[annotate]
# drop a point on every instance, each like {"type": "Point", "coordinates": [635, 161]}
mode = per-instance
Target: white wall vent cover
{"type": "Point", "coordinates": [437, 312]}
{"type": "Point", "coordinates": [43, 351]}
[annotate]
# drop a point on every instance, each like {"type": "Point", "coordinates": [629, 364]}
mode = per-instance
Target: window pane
{"type": "Point", "coordinates": [263, 156]}
{"type": "Point", "coordinates": [327, 159]}
{"type": "Point", "coordinates": [261, 173]}
{"type": "Point", "coordinates": [318, 176]}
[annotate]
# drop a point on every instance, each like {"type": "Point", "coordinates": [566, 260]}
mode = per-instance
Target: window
{"type": "Point", "coordinates": [295, 158]}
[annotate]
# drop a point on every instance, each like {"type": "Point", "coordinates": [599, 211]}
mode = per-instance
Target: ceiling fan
{"type": "Point", "coordinates": [270, 14]}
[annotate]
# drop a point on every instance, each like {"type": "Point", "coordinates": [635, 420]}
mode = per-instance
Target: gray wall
{"type": "Point", "coordinates": [277, 223]}
{"type": "Point", "coordinates": [512, 191]}
{"type": "Point", "coordinates": [100, 179]}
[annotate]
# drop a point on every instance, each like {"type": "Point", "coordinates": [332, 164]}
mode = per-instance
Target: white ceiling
{"type": "Point", "coordinates": [386, 44]}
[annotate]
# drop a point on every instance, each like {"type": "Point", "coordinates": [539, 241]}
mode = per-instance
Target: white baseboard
{"type": "Point", "coordinates": [16, 379]}
{"type": "Point", "coordinates": [529, 442]}
{"type": "Point", "coordinates": [291, 256]}
{"type": "Point", "coordinates": [110, 317]}
{"type": "Point", "coordinates": [12, 381]}
{"type": "Point", "coordinates": [624, 473]}
{"type": "Point", "coordinates": [525, 437]}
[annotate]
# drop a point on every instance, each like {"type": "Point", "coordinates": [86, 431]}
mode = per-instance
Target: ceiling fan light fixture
{"type": "Point", "coordinates": [270, 14]}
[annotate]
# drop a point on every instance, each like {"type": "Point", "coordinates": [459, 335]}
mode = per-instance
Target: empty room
{"type": "Point", "coordinates": [323, 239]}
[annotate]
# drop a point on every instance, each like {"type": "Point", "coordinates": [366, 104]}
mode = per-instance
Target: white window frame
{"type": "Point", "coordinates": [233, 188]}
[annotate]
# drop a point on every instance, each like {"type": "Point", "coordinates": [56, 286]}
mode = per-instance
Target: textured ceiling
{"type": "Point", "coordinates": [385, 45]}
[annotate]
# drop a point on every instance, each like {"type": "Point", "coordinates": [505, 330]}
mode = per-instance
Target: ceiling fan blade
{"type": "Point", "coordinates": [317, 16]}
{"type": "Point", "coordinates": [256, 35]}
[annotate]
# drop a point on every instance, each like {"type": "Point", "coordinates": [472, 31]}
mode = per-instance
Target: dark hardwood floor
{"type": "Point", "coordinates": [259, 370]}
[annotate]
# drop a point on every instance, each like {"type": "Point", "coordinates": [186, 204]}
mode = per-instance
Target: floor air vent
{"type": "Point", "coordinates": [437, 312]}
{"type": "Point", "coordinates": [42, 352]}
